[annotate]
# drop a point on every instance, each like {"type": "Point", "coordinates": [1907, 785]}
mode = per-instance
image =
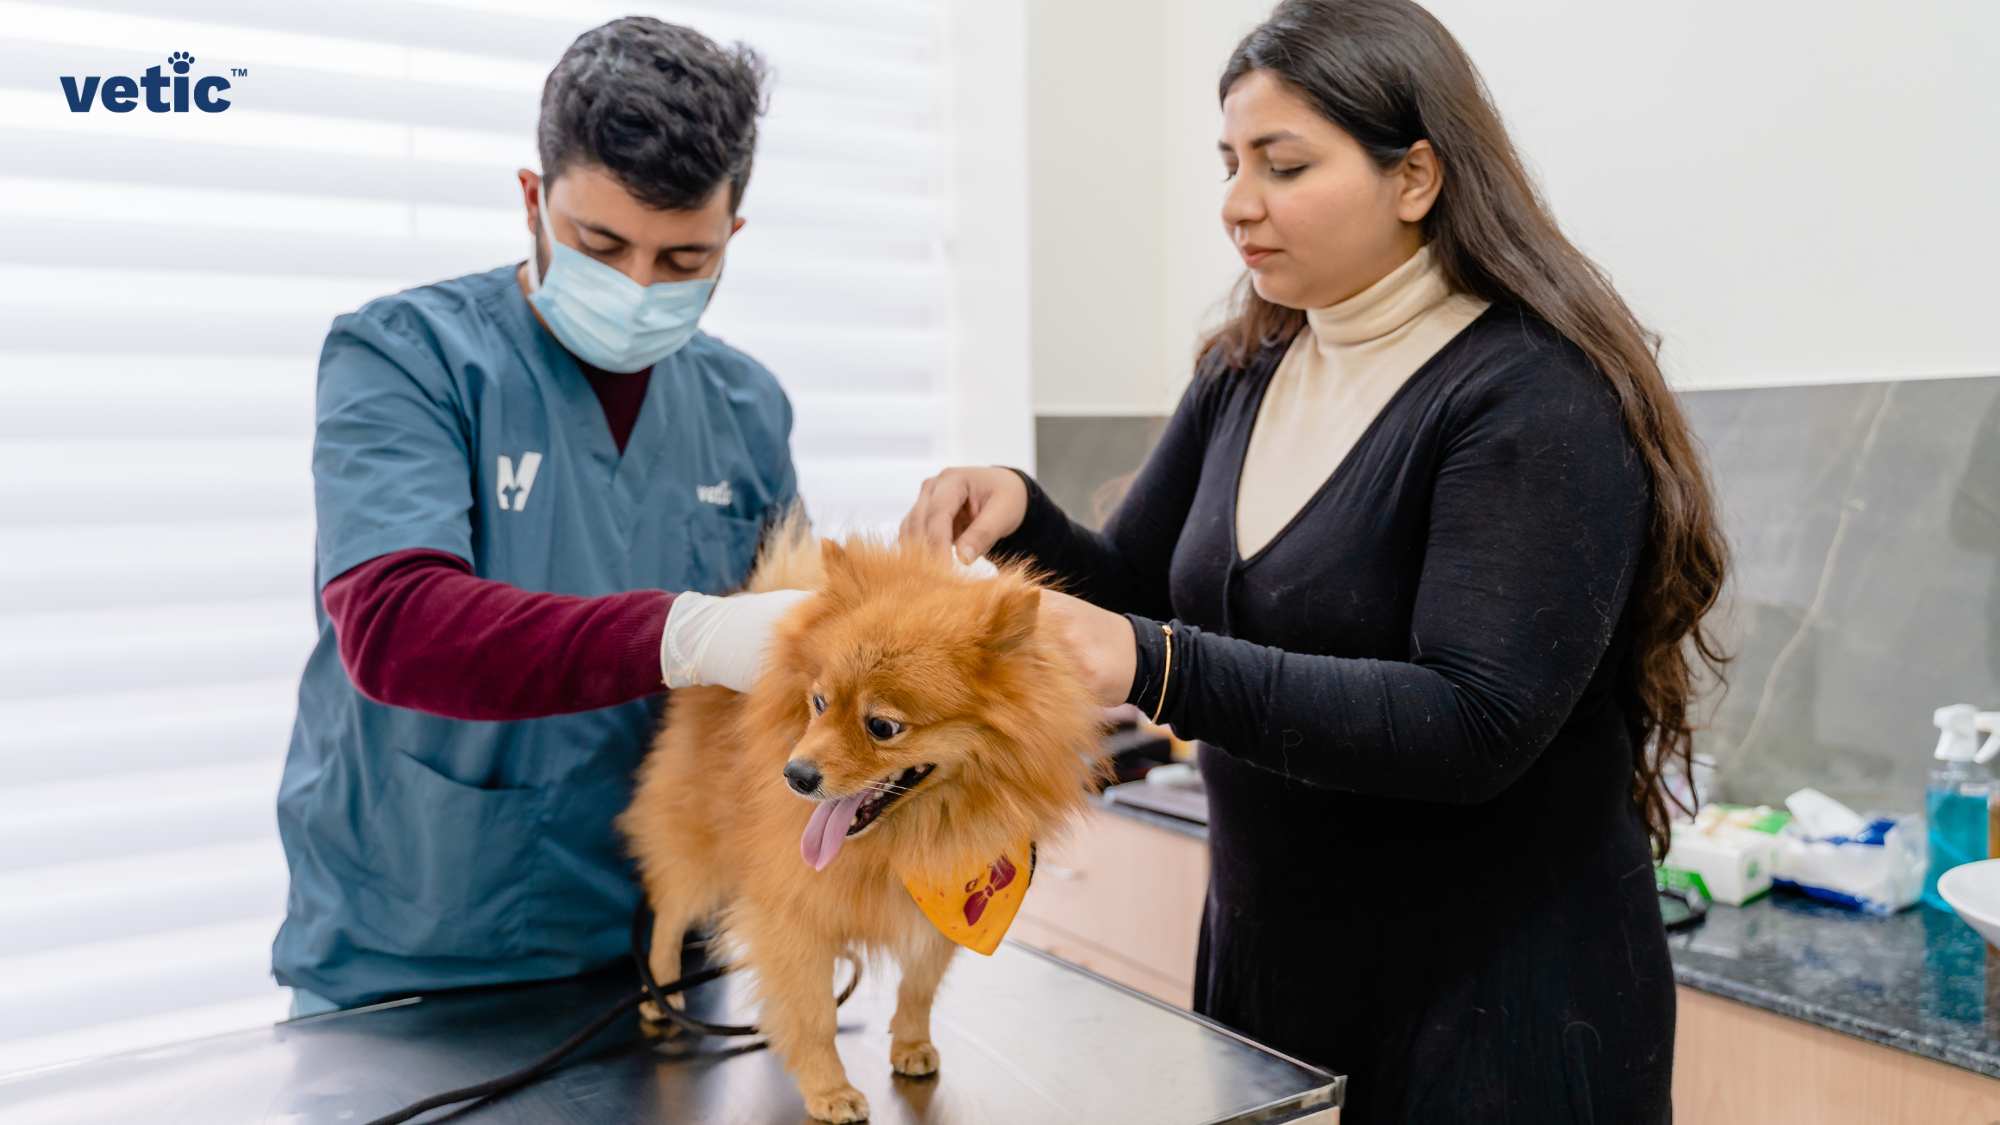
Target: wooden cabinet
{"type": "Point", "coordinates": [1737, 1064]}
{"type": "Point", "coordinates": [1123, 900]}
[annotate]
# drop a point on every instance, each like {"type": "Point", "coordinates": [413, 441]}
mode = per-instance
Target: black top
{"type": "Point", "coordinates": [1417, 714]}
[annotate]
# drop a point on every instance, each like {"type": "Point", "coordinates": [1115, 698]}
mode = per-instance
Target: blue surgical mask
{"type": "Point", "coordinates": [608, 320]}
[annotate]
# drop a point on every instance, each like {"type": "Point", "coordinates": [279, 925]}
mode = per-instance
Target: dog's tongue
{"type": "Point", "coordinates": [827, 830]}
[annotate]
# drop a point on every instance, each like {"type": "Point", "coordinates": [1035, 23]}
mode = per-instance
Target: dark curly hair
{"type": "Point", "coordinates": [665, 109]}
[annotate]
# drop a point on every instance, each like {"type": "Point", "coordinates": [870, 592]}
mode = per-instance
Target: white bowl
{"type": "Point", "coordinates": [1973, 890]}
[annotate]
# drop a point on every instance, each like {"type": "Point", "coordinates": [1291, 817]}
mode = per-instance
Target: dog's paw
{"type": "Point", "coordinates": [656, 1025]}
{"type": "Point", "coordinates": [914, 1059]}
{"type": "Point", "coordinates": [842, 1104]}
{"type": "Point", "coordinates": [650, 1012]}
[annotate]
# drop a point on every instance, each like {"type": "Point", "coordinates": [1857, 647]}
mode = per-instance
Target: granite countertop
{"type": "Point", "coordinates": [1921, 981]}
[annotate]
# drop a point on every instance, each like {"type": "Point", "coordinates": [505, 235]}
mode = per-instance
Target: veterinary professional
{"type": "Point", "coordinates": [1422, 560]}
{"type": "Point", "coordinates": [524, 479]}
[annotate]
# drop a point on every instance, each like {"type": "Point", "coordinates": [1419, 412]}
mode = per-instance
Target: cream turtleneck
{"type": "Point", "coordinates": [1337, 376]}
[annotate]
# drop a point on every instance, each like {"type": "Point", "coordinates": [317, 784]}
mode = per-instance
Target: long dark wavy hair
{"type": "Point", "coordinates": [1389, 74]}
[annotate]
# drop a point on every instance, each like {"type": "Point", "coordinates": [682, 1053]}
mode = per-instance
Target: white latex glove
{"type": "Point", "coordinates": [720, 642]}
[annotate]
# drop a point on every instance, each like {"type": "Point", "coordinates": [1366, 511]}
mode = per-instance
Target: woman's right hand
{"type": "Point", "coordinates": [968, 510]}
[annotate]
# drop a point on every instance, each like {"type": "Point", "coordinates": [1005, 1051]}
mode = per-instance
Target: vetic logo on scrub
{"type": "Point", "coordinates": [717, 494]}
{"type": "Point", "coordinates": [514, 485]}
{"type": "Point", "coordinates": [163, 93]}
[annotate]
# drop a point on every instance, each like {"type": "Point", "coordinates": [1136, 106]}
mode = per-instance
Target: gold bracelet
{"type": "Point", "coordinates": [1166, 673]}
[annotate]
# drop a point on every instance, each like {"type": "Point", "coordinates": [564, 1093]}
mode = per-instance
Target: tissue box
{"type": "Point", "coordinates": [1878, 870]}
{"type": "Point", "coordinates": [1872, 863]}
{"type": "Point", "coordinates": [1729, 849]}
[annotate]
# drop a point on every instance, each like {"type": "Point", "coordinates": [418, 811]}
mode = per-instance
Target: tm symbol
{"type": "Point", "coordinates": [238, 72]}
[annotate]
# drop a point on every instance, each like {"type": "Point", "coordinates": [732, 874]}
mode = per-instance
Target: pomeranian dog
{"type": "Point", "coordinates": [910, 722]}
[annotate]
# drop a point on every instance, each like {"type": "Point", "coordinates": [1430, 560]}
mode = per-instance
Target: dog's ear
{"type": "Point", "coordinates": [1010, 621]}
{"type": "Point", "coordinates": [843, 581]}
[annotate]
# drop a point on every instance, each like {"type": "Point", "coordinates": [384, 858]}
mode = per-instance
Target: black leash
{"type": "Point", "coordinates": [507, 1083]}
{"type": "Point", "coordinates": [642, 922]}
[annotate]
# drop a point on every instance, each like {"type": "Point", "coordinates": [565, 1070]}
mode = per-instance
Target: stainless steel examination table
{"type": "Point", "coordinates": [1023, 1037]}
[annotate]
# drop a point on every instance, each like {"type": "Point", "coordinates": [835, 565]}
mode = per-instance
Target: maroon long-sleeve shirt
{"type": "Point", "coordinates": [418, 629]}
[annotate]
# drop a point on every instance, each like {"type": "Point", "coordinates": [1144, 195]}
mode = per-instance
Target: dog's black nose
{"type": "Point", "coordinates": [803, 776]}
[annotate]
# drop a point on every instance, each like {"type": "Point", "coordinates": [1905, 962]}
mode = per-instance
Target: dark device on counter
{"type": "Point", "coordinates": [1134, 750]}
{"type": "Point", "coordinates": [1681, 910]}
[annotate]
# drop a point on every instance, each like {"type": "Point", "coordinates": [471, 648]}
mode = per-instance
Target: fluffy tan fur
{"type": "Point", "coordinates": [896, 631]}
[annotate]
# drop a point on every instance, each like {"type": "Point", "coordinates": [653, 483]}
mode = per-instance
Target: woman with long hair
{"type": "Point", "coordinates": [1422, 560]}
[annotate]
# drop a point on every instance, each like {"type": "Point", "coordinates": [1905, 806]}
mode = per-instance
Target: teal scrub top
{"type": "Point", "coordinates": [431, 853]}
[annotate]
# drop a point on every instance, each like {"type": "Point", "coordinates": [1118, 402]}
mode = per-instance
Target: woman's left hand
{"type": "Point", "coordinates": [1099, 640]}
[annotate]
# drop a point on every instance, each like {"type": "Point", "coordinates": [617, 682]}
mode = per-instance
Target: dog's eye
{"type": "Point", "coordinates": [819, 704]}
{"type": "Point", "coordinates": [881, 729]}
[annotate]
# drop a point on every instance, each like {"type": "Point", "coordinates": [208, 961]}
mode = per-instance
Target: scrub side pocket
{"type": "Point", "coordinates": [456, 855]}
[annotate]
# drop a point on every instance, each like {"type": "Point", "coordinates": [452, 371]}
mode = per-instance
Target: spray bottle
{"type": "Point", "coordinates": [1957, 798]}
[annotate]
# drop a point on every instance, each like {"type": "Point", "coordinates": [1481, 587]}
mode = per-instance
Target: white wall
{"type": "Point", "coordinates": [1097, 227]}
{"type": "Point", "coordinates": [1788, 193]}
{"type": "Point", "coordinates": [991, 400]}
{"type": "Point", "coordinates": [1202, 264]}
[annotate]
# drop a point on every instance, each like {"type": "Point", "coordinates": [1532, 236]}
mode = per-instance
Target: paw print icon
{"type": "Point", "coordinates": [999, 875]}
{"type": "Point", "coordinates": [180, 61]}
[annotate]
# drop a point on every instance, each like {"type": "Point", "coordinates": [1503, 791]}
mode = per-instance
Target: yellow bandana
{"type": "Point", "coordinates": [976, 910]}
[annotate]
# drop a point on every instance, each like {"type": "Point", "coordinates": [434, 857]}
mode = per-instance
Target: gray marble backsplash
{"type": "Point", "coordinates": [1083, 462]}
{"type": "Point", "coordinates": [1865, 591]}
